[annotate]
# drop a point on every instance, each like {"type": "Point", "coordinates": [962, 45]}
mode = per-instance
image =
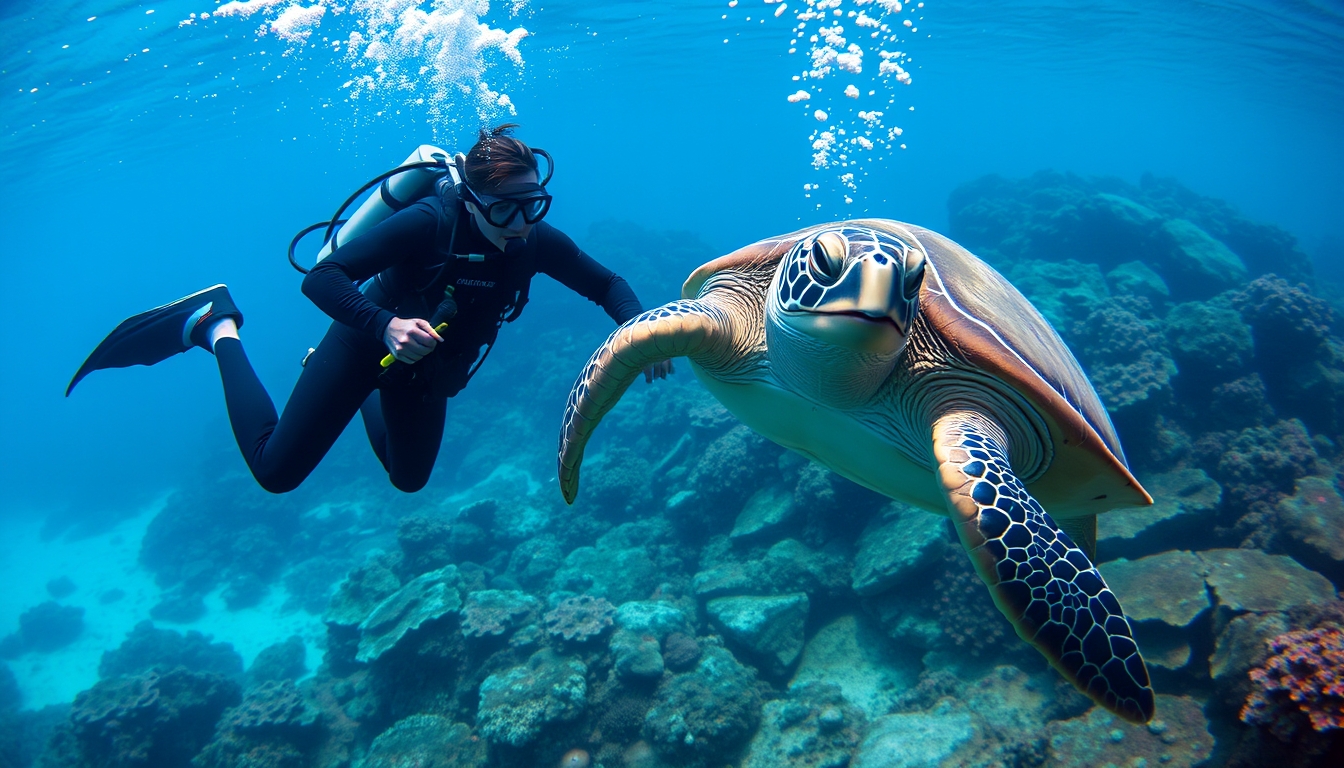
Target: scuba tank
{"type": "Point", "coordinates": [413, 179]}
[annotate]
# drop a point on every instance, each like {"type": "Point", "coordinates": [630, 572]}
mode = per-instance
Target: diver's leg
{"type": "Point", "coordinates": [283, 451]}
{"type": "Point", "coordinates": [413, 433]}
{"type": "Point", "coordinates": [375, 427]}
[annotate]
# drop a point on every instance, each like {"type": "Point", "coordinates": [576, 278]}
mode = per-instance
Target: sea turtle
{"type": "Point", "coordinates": [896, 358]}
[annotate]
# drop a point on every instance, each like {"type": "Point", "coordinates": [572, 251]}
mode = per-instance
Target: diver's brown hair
{"type": "Point", "coordinates": [497, 156]}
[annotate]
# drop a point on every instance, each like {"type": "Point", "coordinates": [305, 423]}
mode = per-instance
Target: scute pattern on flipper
{"type": "Point", "coordinates": [1043, 581]}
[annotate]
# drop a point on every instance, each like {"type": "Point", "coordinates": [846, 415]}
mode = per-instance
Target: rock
{"type": "Point", "coordinates": [619, 567]}
{"type": "Point", "coordinates": [518, 702]}
{"type": "Point", "coordinates": [1241, 644]}
{"type": "Point", "coordinates": [856, 657]}
{"type": "Point", "coordinates": [1134, 278]}
{"type": "Point", "coordinates": [1250, 580]}
{"type": "Point", "coordinates": [280, 661]}
{"type": "Point", "coordinates": [771, 627]}
{"type": "Point", "coordinates": [1183, 502]}
{"type": "Point", "coordinates": [1178, 736]}
{"type": "Point", "coordinates": [1063, 291]}
{"type": "Point", "coordinates": [426, 741]}
{"type": "Point", "coordinates": [423, 599]}
{"type": "Point", "coordinates": [765, 511]}
{"type": "Point", "coordinates": [1314, 515]}
{"type": "Point", "coordinates": [1162, 594]}
{"type": "Point", "coordinates": [361, 592]}
{"type": "Point", "coordinates": [788, 566]}
{"type": "Point", "coordinates": [636, 655]}
{"type": "Point", "coordinates": [915, 739]}
{"type": "Point", "coordinates": [652, 617]}
{"type": "Point", "coordinates": [1167, 587]}
{"type": "Point", "coordinates": [813, 727]}
{"type": "Point", "coordinates": [900, 542]}
{"type": "Point", "coordinates": [702, 717]}
{"type": "Point", "coordinates": [1197, 265]}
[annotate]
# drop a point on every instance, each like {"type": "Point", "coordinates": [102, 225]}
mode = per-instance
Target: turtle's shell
{"type": "Point", "coordinates": [994, 328]}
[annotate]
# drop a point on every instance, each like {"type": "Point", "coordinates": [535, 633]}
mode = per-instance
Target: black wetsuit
{"type": "Point", "coordinates": [404, 256]}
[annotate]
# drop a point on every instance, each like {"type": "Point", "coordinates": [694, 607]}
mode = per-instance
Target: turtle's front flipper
{"type": "Point", "coordinates": [693, 328]}
{"type": "Point", "coordinates": [1039, 578]}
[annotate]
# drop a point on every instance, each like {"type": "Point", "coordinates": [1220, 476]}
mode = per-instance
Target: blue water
{"type": "Point", "coordinates": [129, 176]}
{"type": "Point", "coordinates": [142, 158]}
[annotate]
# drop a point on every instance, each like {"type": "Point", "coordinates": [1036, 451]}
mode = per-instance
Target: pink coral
{"type": "Point", "coordinates": [1303, 677]}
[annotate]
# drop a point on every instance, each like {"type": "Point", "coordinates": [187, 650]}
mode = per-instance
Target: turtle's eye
{"type": "Point", "coordinates": [827, 258]}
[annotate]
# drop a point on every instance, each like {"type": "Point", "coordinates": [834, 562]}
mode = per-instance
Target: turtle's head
{"type": "Point", "coordinates": [851, 286]}
{"type": "Point", "coordinates": [840, 310]}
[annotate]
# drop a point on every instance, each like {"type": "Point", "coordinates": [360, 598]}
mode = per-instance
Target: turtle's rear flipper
{"type": "Point", "coordinates": [1039, 578]}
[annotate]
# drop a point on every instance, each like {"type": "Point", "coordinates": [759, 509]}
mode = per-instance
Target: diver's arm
{"type": "Point", "coordinates": [561, 259]}
{"type": "Point", "coordinates": [406, 234]}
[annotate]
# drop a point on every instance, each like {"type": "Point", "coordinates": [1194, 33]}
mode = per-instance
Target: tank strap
{"type": "Point", "coordinates": [385, 192]}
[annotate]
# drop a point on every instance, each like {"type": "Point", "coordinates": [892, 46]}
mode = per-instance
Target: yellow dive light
{"type": "Point", "coordinates": [439, 329]}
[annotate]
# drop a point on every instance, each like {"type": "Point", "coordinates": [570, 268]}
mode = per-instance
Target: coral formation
{"type": "Point", "coordinates": [1302, 682]}
{"type": "Point", "coordinates": [150, 719]}
{"type": "Point", "coordinates": [579, 619]}
{"type": "Point", "coordinates": [518, 703]}
{"type": "Point", "coordinates": [273, 727]}
{"type": "Point", "coordinates": [147, 647]}
{"type": "Point", "coordinates": [44, 628]}
{"type": "Point", "coordinates": [426, 741]}
{"type": "Point", "coordinates": [279, 662]}
{"type": "Point", "coordinates": [496, 611]}
{"type": "Point", "coordinates": [425, 598]}
{"type": "Point", "coordinates": [704, 716]}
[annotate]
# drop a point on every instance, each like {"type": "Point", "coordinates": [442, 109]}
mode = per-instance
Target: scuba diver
{"type": "Point", "coordinates": [440, 276]}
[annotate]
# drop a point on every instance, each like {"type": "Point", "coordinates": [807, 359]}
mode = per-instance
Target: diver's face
{"type": "Point", "coordinates": [516, 229]}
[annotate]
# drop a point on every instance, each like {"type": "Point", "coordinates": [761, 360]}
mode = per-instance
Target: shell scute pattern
{"type": "Point", "coordinates": [1046, 580]}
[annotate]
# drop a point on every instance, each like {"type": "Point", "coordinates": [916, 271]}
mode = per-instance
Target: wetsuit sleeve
{"type": "Point", "coordinates": [406, 235]}
{"type": "Point", "coordinates": [561, 259]}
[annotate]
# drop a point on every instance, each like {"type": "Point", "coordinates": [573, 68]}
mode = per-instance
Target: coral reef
{"type": "Point", "coordinates": [44, 628]}
{"type": "Point", "coordinates": [147, 647]}
{"type": "Point", "coordinates": [813, 727]}
{"type": "Point", "coordinates": [150, 719]}
{"type": "Point", "coordinates": [1302, 683]}
{"type": "Point", "coordinates": [279, 662]}
{"type": "Point", "coordinates": [496, 611]}
{"type": "Point", "coordinates": [425, 741]}
{"type": "Point", "coordinates": [518, 703]}
{"type": "Point", "coordinates": [1178, 736]}
{"type": "Point", "coordinates": [704, 716]}
{"type": "Point", "coordinates": [425, 598]}
{"type": "Point", "coordinates": [579, 619]}
{"type": "Point", "coordinates": [273, 727]}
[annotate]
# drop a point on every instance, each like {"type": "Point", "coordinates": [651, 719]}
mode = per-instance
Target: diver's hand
{"type": "Point", "coordinates": [658, 371]}
{"type": "Point", "coordinates": [410, 339]}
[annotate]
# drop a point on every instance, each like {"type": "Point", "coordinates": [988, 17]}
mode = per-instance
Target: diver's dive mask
{"type": "Point", "coordinates": [531, 200]}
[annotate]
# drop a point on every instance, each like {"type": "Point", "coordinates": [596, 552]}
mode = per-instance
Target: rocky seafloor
{"type": "Point", "coordinates": [712, 600]}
